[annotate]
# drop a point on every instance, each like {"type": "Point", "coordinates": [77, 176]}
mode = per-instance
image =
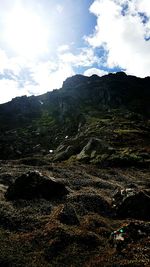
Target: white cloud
{"type": "Point", "coordinates": [6, 63]}
{"type": "Point", "coordinates": [9, 89]}
{"type": "Point", "coordinates": [91, 71]}
{"type": "Point", "coordinates": [59, 8]}
{"type": "Point", "coordinates": [144, 6]}
{"type": "Point", "coordinates": [15, 64]}
{"type": "Point", "coordinates": [27, 78]}
{"type": "Point", "coordinates": [3, 61]}
{"type": "Point", "coordinates": [123, 34]}
{"type": "Point", "coordinates": [63, 48]}
{"type": "Point", "coordinates": [50, 76]}
{"type": "Point", "coordinates": [84, 58]}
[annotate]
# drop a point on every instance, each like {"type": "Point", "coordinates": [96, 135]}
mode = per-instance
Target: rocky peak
{"type": "Point", "coordinates": [75, 81]}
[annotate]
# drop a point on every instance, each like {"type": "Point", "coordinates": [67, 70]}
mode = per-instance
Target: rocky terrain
{"type": "Point", "coordinates": [75, 175]}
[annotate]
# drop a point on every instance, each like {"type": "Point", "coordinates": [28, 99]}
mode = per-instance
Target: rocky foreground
{"type": "Point", "coordinates": [75, 175]}
{"type": "Point", "coordinates": [69, 221]}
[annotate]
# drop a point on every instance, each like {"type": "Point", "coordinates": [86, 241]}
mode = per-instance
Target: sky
{"type": "Point", "coordinates": [44, 42]}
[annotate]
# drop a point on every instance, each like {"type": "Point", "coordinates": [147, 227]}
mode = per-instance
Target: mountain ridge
{"type": "Point", "coordinates": [38, 124]}
{"type": "Point", "coordinates": [79, 81]}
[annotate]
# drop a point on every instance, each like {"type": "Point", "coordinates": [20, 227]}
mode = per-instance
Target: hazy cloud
{"type": "Point", "coordinates": [63, 48]}
{"type": "Point", "coordinates": [59, 8]}
{"type": "Point", "coordinates": [49, 76]}
{"type": "Point", "coordinates": [18, 77]}
{"type": "Point", "coordinates": [13, 63]}
{"type": "Point", "coordinates": [85, 57]}
{"type": "Point", "coordinates": [9, 89]}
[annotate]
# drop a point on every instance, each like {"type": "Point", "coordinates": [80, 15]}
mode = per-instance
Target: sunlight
{"type": "Point", "coordinates": [25, 33]}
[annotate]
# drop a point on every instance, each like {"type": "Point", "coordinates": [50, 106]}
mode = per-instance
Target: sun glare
{"type": "Point", "coordinates": [25, 33]}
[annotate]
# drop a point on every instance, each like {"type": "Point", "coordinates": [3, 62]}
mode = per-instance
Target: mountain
{"type": "Point", "coordinates": [109, 114]}
{"type": "Point", "coordinates": [74, 175]}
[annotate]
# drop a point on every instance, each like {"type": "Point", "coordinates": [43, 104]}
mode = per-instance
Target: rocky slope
{"type": "Point", "coordinates": [114, 109]}
{"type": "Point", "coordinates": [74, 175]}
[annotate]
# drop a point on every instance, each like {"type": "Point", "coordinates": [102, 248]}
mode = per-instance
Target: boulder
{"type": "Point", "coordinates": [34, 185]}
{"type": "Point", "coordinates": [133, 204]}
{"type": "Point", "coordinates": [6, 179]}
{"type": "Point", "coordinates": [95, 147]}
{"type": "Point", "coordinates": [69, 216]}
{"type": "Point", "coordinates": [64, 153]}
{"type": "Point", "coordinates": [91, 202]}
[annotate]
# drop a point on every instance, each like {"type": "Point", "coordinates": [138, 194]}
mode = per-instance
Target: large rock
{"type": "Point", "coordinates": [133, 204]}
{"type": "Point", "coordinates": [95, 148]}
{"type": "Point", "coordinates": [34, 185]}
{"type": "Point", "coordinates": [6, 179]}
{"type": "Point", "coordinates": [69, 216]}
{"type": "Point", "coordinates": [64, 153]}
{"type": "Point", "coordinates": [90, 202]}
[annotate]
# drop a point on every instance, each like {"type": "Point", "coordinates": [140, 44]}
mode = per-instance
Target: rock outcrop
{"type": "Point", "coordinates": [95, 149]}
{"type": "Point", "coordinates": [132, 203]}
{"type": "Point", "coordinates": [38, 124]}
{"type": "Point", "coordinates": [34, 185]}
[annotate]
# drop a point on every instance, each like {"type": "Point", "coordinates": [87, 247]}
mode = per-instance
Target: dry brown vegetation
{"type": "Point", "coordinates": [74, 231]}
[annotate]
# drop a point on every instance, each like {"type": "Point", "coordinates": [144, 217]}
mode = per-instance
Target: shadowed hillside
{"type": "Point", "coordinates": [114, 108]}
{"type": "Point", "coordinates": [74, 175]}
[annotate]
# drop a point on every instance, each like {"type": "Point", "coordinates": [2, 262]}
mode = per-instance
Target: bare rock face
{"type": "Point", "coordinates": [94, 148]}
{"type": "Point", "coordinates": [34, 185]}
{"type": "Point", "coordinates": [75, 81]}
{"type": "Point", "coordinates": [64, 154]}
{"type": "Point", "coordinates": [133, 204]}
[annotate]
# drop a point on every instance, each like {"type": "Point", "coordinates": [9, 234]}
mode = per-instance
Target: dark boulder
{"type": "Point", "coordinates": [90, 202]}
{"type": "Point", "coordinates": [34, 185]}
{"type": "Point", "coordinates": [134, 204]}
{"type": "Point", "coordinates": [69, 216]}
{"type": "Point", "coordinates": [6, 179]}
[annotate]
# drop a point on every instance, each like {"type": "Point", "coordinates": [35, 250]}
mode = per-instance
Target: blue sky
{"type": "Point", "coordinates": [44, 42]}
